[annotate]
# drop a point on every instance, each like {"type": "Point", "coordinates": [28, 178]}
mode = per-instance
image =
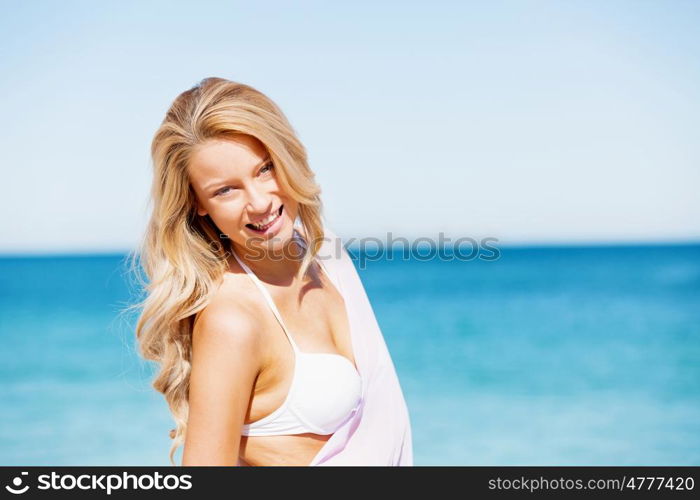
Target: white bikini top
{"type": "Point", "coordinates": [325, 392]}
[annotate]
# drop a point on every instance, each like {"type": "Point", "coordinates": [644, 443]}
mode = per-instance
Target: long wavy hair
{"type": "Point", "coordinates": [182, 254]}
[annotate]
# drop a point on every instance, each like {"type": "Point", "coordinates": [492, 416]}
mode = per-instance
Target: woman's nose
{"type": "Point", "coordinates": [258, 201]}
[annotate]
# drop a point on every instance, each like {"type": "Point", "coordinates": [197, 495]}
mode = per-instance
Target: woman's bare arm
{"type": "Point", "coordinates": [225, 362]}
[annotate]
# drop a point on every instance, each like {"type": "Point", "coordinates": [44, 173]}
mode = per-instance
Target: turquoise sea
{"type": "Point", "coordinates": [545, 356]}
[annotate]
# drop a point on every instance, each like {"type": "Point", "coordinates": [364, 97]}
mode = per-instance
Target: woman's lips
{"type": "Point", "coordinates": [269, 225]}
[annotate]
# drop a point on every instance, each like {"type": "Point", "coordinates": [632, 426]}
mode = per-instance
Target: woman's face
{"type": "Point", "coordinates": [236, 184]}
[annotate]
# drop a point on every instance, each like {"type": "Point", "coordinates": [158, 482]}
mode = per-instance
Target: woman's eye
{"type": "Point", "coordinates": [264, 170]}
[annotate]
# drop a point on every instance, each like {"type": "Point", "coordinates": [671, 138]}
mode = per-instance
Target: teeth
{"type": "Point", "coordinates": [265, 222]}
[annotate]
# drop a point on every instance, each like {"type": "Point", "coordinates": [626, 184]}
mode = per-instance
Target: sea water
{"type": "Point", "coordinates": [543, 356]}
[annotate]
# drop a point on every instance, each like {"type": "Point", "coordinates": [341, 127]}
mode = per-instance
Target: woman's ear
{"type": "Point", "coordinates": [201, 211]}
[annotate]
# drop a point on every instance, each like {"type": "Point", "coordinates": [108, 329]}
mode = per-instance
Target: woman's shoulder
{"type": "Point", "coordinates": [230, 315]}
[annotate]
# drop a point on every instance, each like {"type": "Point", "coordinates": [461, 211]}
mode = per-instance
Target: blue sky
{"type": "Point", "coordinates": [528, 121]}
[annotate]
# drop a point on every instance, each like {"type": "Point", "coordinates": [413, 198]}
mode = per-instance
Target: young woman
{"type": "Point", "coordinates": [269, 350]}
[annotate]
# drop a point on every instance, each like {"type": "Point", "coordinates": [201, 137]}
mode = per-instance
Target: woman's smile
{"type": "Point", "coordinates": [269, 225]}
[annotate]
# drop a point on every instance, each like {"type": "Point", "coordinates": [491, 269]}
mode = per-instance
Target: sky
{"type": "Point", "coordinates": [532, 122]}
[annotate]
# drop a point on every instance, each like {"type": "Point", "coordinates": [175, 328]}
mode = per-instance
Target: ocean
{"type": "Point", "coordinates": [570, 355]}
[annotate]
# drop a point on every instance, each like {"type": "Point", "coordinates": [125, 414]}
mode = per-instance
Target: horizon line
{"type": "Point", "coordinates": [512, 244]}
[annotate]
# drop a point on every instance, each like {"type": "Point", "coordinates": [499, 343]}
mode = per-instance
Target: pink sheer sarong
{"type": "Point", "coordinates": [379, 433]}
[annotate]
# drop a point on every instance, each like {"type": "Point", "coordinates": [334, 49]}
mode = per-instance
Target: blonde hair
{"type": "Point", "coordinates": [183, 254]}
